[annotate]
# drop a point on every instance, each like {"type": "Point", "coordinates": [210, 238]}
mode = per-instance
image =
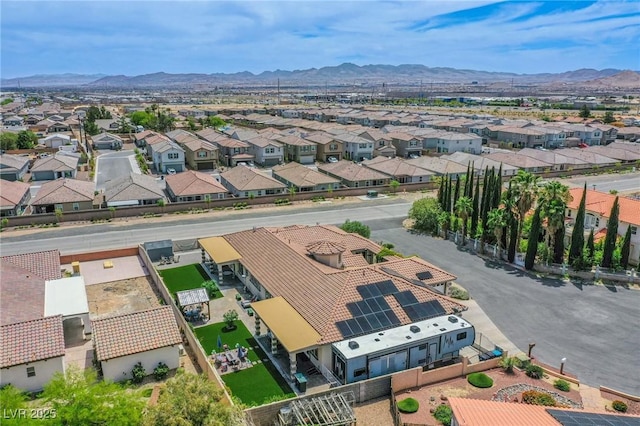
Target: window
{"type": "Point", "coordinates": [269, 150]}
{"type": "Point", "coordinates": [172, 156]}
{"type": "Point", "coordinates": [461, 336]}
{"type": "Point", "coordinates": [333, 147]}
{"type": "Point", "coordinates": [413, 143]}
{"type": "Point", "coordinates": [58, 207]}
{"type": "Point", "coordinates": [634, 230]}
{"type": "Point", "coordinates": [76, 206]}
{"type": "Point", "coordinates": [362, 146]}
{"type": "Point", "coordinates": [31, 371]}
{"type": "Point", "coordinates": [359, 372]}
{"type": "Point", "coordinates": [202, 154]}
{"type": "Point", "coordinates": [568, 213]}
{"type": "Point", "coordinates": [422, 347]}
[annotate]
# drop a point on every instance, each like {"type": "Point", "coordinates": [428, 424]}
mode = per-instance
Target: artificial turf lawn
{"type": "Point", "coordinates": [185, 278]}
{"type": "Point", "coordinates": [252, 385]}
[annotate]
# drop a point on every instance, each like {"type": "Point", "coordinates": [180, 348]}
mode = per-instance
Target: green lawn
{"type": "Point", "coordinates": [185, 278]}
{"type": "Point", "coordinates": [253, 386]}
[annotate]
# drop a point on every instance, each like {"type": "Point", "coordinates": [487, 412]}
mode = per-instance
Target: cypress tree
{"type": "Point", "coordinates": [626, 248]}
{"type": "Point", "coordinates": [471, 178]}
{"type": "Point", "coordinates": [497, 190]}
{"type": "Point", "coordinates": [441, 192]}
{"type": "Point", "coordinates": [577, 236]}
{"type": "Point", "coordinates": [513, 238]}
{"type": "Point", "coordinates": [485, 192]}
{"type": "Point", "coordinates": [467, 179]}
{"type": "Point", "coordinates": [532, 245]}
{"type": "Point", "coordinates": [612, 235]}
{"type": "Point", "coordinates": [591, 245]}
{"type": "Point", "coordinates": [476, 212]}
{"type": "Point", "coordinates": [558, 247]}
{"type": "Point", "coordinates": [448, 199]}
{"type": "Point", "coordinates": [456, 194]}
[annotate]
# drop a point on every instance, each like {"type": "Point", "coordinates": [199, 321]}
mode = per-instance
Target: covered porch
{"type": "Point", "coordinates": [219, 258]}
{"type": "Point", "coordinates": [192, 302]}
{"type": "Point", "coordinates": [289, 336]}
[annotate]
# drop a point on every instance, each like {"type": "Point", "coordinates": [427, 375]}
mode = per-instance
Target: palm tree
{"type": "Point", "coordinates": [523, 196]}
{"type": "Point", "coordinates": [464, 208]}
{"type": "Point", "coordinates": [553, 200]}
{"type": "Point", "coordinates": [497, 220]}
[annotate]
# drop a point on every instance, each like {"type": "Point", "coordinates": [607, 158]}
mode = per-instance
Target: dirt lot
{"type": "Point", "coordinates": [376, 412]}
{"type": "Point", "coordinates": [121, 297]}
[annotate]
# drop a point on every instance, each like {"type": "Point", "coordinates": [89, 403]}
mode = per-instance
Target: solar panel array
{"type": "Point", "coordinates": [426, 275]}
{"type": "Point", "coordinates": [373, 313]}
{"type": "Point", "coordinates": [579, 418]}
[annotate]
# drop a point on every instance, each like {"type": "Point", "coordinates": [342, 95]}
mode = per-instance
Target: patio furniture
{"type": "Point", "coordinates": [238, 297]}
{"type": "Point", "coordinates": [250, 312]}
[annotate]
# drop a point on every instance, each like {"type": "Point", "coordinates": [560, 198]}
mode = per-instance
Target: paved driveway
{"type": "Point", "coordinates": [594, 327]}
{"type": "Point", "coordinates": [113, 165]}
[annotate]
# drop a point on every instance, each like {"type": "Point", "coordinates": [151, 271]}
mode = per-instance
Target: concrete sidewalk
{"type": "Point", "coordinates": [483, 324]}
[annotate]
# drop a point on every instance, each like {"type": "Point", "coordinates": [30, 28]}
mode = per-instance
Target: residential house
{"type": "Point", "coordinates": [194, 186]}
{"type": "Point", "coordinates": [459, 142]}
{"type": "Point", "coordinates": [406, 144]}
{"type": "Point", "coordinates": [584, 133]}
{"type": "Point", "coordinates": [32, 352]}
{"type": "Point", "coordinates": [107, 141]}
{"type": "Point", "coordinates": [33, 120]}
{"type": "Point", "coordinates": [591, 157]}
{"type": "Point", "coordinates": [557, 161]}
{"type": "Point", "coordinates": [622, 155]}
{"type": "Point", "coordinates": [133, 190]}
{"type": "Point", "coordinates": [481, 163]}
{"type": "Point", "coordinates": [243, 181]}
{"type": "Point", "coordinates": [231, 150]}
{"type": "Point", "coordinates": [439, 166]}
{"type": "Point", "coordinates": [57, 127]}
{"type": "Point", "coordinates": [55, 141]}
{"type": "Point", "coordinates": [55, 167]}
{"type": "Point", "coordinates": [149, 337]}
{"type": "Point", "coordinates": [140, 137]}
{"type": "Point", "coordinates": [13, 121]}
{"type": "Point", "coordinates": [631, 133]}
{"type": "Point", "coordinates": [609, 133]}
{"type": "Point", "coordinates": [167, 154]}
{"type": "Point", "coordinates": [297, 149]}
{"type": "Point", "coordinates": [108, 124]}
{"type": "Point", "coordinates": [267, 152]}
{"type": "Point", "coordinates": [399, 169]}
{"type": "Point", "coordinates": [288, 267]}
{"type": "Point", "coordinates": [199, 154]}
{"type": "Point", "coordinates": [354, 175]}
{"type": "Point", "coordinates": [522, 137]}
{"type": "Point", "coordinates": [529, 164]}
{"type": "Point", "coordinates": [66, 195]}
{"type": "Point", "coordinates": [326, 145]}
{"type": "Point", "coordinates": [383, 145]}
{"type": "Point", "coordinates": [13, 167]}
{"type": "Point", "coordinates": [304, 179]}
{"type": "Point", "coordinates": [598, 208]}
{"type": "Point", "coordinates": [356, 147]}
{"type": "Point", "coordinates": [14, 197]}
{"type": "Point", "coordinates": [627, 146]}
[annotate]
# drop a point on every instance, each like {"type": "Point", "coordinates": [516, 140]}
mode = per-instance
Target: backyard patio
{"type": "Point", "coordinates": [186, 277]}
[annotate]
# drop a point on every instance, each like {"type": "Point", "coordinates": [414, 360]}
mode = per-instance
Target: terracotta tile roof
{"type": "Point", "coordinates": [325, 247]}
{"type": "Point", "coordinates": [278, 258]}
{"type": "Point", "coordinates": [351, 171]}
{"type": "Point", "coordinates": [396, 167]}
{"type": "Point", "coordinates": [615, 153]}
{"type": "Point", "coordinates": [601, 203]}
{"type": "Point", "coordinates": [134, 333]}
{"type": "Point", "coordinates": [156, 138]}
{"type": "Point", "coordinates": [194, 183]}
{"type": "Point", "coordinates": [586, 155]}
{"type": "Point", "coordinates": [263, 142]}
{"type": "Point", "coordinates": [411, 268]}
{"type": "Point", "coordinates": [295, 140]}
{"type": "Point", "coordinates": [475, 412]}
{"type": "Point", "coordinates": [64, 191]}
{"type": "Point", "coordinates": [30, 341]}
{"type": "Point", "coordinates": [244, 178]}
{"type": "Point", "coordinates": [21, 294]}
{"type": "Point", "coordinates": [142, 135]}
{"type": "Point", "coordinates": [133, 187]}
{"type": "Point", "coordinates": [320, 138]}
{"type": "Point", "coordinates": [211, 135]}
{"type": "Point", "coordinates": [45, 264]}
{"type": "Point", "coordinates": [58, 163]}
{"type": "Point", "coordinates": [627, 146]}
{"type": "Point", "coordinates": [15, 162]}
{"type": "Point", "coordinates": [479, 163]}
{"type": "Point", "coordinates": [302, 176]}
{"type": "Point", "coordinates": [12, 192]}
{"type": "Point", "coordinates": [552, 157]}
{"type": "Point", "coordinates": [517, 160]}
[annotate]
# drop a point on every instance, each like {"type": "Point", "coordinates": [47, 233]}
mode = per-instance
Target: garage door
{"type": "Point", "coordinates": [205, 166]}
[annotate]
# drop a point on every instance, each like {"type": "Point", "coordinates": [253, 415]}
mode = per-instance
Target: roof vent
{"type": "Point", "coordinates": [414, 329]}
{"type": "Point", "coordinates": [353, 345]}
{"type": "Point", "coordinates": [443, 329]}
{"type": "Point", "coordinates": [376, 339]}
{"type": "Point", "coordinates": [453, 319]}
{"type": "Point", "coordinates": [435, 324]}
{"type": "Point", "coordinates": [408, 337]}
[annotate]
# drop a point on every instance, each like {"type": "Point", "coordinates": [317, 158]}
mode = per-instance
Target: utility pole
{"type": "Point", "coordinates": [278, 91]}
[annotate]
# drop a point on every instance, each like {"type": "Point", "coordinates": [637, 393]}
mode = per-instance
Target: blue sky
{"type": "Point", "coordinates": [138, 37]}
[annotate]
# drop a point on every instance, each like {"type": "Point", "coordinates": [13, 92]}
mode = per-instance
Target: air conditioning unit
{"type": "Point", "coordinates": [181, 350]}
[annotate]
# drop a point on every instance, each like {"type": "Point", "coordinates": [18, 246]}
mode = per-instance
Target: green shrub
{"type": "Point", "coordinates": [443, 414]}
{"type": "Point", "coordinates": [408, 405]}
{"type": "Point", "coordinates": [138, 373]}
{"type": "Point", "coordinates": [534, 371]}
{"type": "Point", "coordinates": [619, 406]}
{"type": "Point", "coordinates": [480, 380]}
{"type": "Point", "coordinates": [458, 293]}
{"type": "Point", "coordinates": [508, 363]}
{"type": "Point", "coordinates": [211, 287]}
{"type": "Point", "coordinates": [562, 385]}
{"type": "Point", "coordinates": [534, 397]}
{"type": "Point", "coordinates": [161, 371]}
{"type": "Point", "coordinates": [146, 393]}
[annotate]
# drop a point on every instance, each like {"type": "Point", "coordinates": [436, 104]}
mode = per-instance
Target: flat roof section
{"type": "Point", "coordinates": [219, 250]}
{"type": "Point", "coordinates": [66, 296]}
{"type": "Point", "coordinates": [381, 340]}
{"type": "Point", "coordinates": [286, 324]}
{"type": "Point", "coordinates": [192, 297]}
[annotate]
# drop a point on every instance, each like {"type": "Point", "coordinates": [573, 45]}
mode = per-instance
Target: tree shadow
{"type": "Point", "coordinates": [518, 272]}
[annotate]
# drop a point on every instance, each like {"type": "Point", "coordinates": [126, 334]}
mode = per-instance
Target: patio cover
{"type": "Point", "coordinates": [66, 297]}
{"type": "Point", "coordinates": [293, 331]}
{"type": "Point", "coordinates": [219, 250]}
{"type": "Point", "coordinates": [192, 297]}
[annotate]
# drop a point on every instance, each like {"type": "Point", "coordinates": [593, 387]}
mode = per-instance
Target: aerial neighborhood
{"type": "Point", "coordinates": [307, 324]}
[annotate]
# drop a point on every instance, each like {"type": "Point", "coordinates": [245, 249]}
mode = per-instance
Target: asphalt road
{"type": "Point", "coordinates": [113, 165]}
{"type": "Point", "coordinates": [626, 182]}
{"type": "Point", "coordinates": [594, 327]}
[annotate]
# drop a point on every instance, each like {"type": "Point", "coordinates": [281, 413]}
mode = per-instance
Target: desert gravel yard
{"type": "Point", "coordinates": [376, 412]}
{"type": "Point", "coordinates": [121, 297]}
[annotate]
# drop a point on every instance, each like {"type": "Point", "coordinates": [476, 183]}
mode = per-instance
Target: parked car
{"type": "Point", "coordinates": [583, 145]}
{"type": "Point", "coordinates": [171, 171]}
{"type": "Point", "coordinates": [332, 160]}
{"type": "Point", "coordinates": [414, 156]}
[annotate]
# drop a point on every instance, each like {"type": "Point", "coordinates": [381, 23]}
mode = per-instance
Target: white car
{"type": "Point", "coordinates": [332, 160]}
{"type": "Point", "coordinates": [171, 171]}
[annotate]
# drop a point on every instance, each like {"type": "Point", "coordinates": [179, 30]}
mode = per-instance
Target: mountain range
{"type": "Point", "coordinates": [346, 74]}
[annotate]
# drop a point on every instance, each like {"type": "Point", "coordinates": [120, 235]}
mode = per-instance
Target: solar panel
{"type": "Point", "coordinates": [354, 326]}
{"type": "Point", "coordinates": [411, 312]}
{"type": "Point", "coordinates": [364, 324]}
{"type": "Point", "coordinates": [393, 318]}
{"type": "Point", "coordinates": [382, 303]}
{"type": "Point", "coordinates": [374, 321]}
{"type": "Point", "coordinates": [437, 307]}
{"type": "Point", "coordinates": [354, 309]}
{"type": "Point", "coordinates": [364, 291]}
{"type": "Point", "coordinates": [374, 290]}
{"type": "Point", "coordinates": [424, 310]}
{"type": "Point", "coordinates": [424, 275]}
{"type": "Point", "coordinates": [373, 305]}
{"type": "Point", "coordinates": [577, 418]}
{"type": "Point", "coordinates": [364, 307]}
{"type": "Point", "coordinates": [386, 287]}
{"type": "Point", "coordinates": [344, 328]}
{"type": "Point", "coordinates": [384, 320]}
{"type": "Point", "coordinates": [405, 298]}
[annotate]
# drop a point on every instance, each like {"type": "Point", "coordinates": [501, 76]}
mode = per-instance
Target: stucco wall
{"type": "Point", "coordinates": [17, 375]}
{"type": "Point", "coordinates": [119, 369]}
